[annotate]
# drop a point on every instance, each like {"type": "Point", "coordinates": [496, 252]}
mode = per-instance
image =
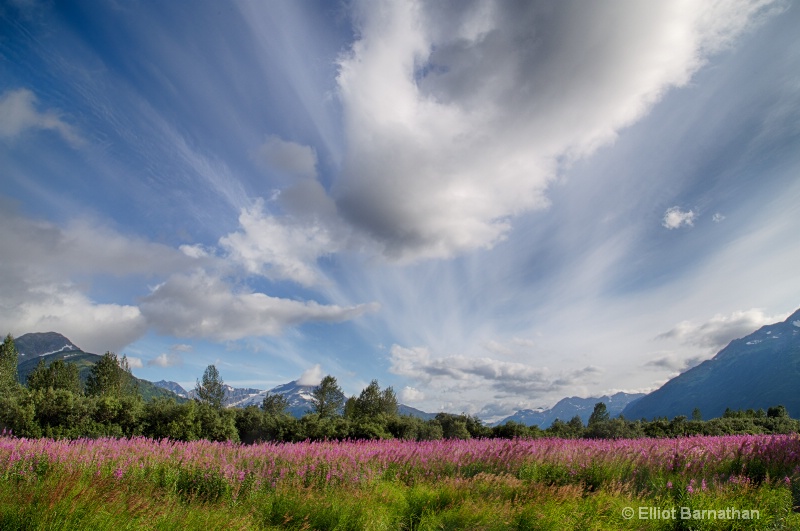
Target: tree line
{"type": "Point", "coordinates": [55, 403]}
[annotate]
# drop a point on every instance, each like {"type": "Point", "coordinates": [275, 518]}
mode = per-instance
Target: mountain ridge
{"type": "Point", "coordinates": [568, 407]}
{"type": "Point", "coordinates": [759, 370]}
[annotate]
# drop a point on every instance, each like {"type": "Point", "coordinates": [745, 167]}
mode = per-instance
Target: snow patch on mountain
{"type": "Point", "coordinates": [66, 348]}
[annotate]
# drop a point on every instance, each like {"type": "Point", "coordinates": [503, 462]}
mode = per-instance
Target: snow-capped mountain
{"type": "Point", "coordinates": [567, 408]}
{"type": "Point", "coordinates": [298, 397]}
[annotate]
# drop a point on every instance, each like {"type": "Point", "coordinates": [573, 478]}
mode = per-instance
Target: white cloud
{"type": "Point", "coordinates": [166, 359]}
{"type": "Point", "coordinates": [455, 127]}
{"type": "Point", "coordinates": [720, 329]}
{"type": "Point", "coordinates": [675, 218]}
{"type": "Point", "coordinates": [410, 394]}
{"type": "Point", "coordinates": [195, 251]}
{"type": "Point", "coordinates": [18, 114]}
{"type": "Point", "coordinates": [289, 157]}
{"type": "Point", "coordinates": [202, 306]}
{"type": "Point", "coordinates": [134, 362]}
{"type": "Point", "coordinates": [717, 217]}
{"type": "Point", "coordinates": [62, 307]}
{"type": "Point", "coordinates": [39, 293]}
{"type": "Point", "coordinates": [279, 249]}
{"type": "Point", "coordinates": [312, 376]}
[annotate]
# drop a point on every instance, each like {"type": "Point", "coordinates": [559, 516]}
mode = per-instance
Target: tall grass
{"type": "Point", "coordinates": [479, 484]}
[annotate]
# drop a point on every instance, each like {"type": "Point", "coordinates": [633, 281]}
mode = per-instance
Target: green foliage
{"type": "Point", "coordinates": [599, 414]}
{"type": "Point", "coordinates": [777, 412]}
{"type": "Point", "coordinates": [212, 389]}
{"type": "Point", "coordinates": [327, 398]}
{"type": "Point", "coordinates": [372, 402]}
{"type": "Point", "coordinates": [111, 376]}
{"type": "Point", "coordinates": [216, 424]}
{"type": "Point", "coordinates": [57, 375]}
{"type": "Point", "coordinates": [9, 358]}
{"type": "Point", "coordinates": [275, 404]}
{"type": "Point", "coordinates": [166, 419]}
{"type": "Point", "coordinates": [18, 415]}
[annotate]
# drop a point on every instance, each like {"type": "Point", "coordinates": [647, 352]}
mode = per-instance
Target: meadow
{"type": "Point", "coordinates": [731, 482]}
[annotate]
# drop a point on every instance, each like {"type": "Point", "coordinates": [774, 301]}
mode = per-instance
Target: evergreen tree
{"type": "Point", "coordinates": [600, 414]}
{"type": "Point", "coordinates": [212, 389]}
{"type": "Point", "coordinates": [327, 398]}
{"type": "Point", "coordinates": [9, 359]}
{"type": "Point", "coordinates": [107, 377]}
{"type": "Point", "coordinates": [58, 375]}
{"type": "Point", "coordinates": [373, 402]}
{"type": "Point", "coordinates": [275, 405]}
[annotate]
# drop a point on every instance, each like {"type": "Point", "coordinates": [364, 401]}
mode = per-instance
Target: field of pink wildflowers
{"type": "Point", "coordinates": [450, 484]}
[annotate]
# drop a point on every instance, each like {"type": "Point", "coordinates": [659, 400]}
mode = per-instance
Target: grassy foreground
{"type": "Point", "coordinates": [741, 482]}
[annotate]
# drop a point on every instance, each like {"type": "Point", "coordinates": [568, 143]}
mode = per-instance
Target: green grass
{"type": "Point", "coordinates": [61, 501]}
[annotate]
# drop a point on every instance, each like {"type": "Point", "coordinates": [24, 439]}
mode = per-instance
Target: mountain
{"type": "Point", "coordinates": [51, 346]}
{"type": "Point", "coordinates": [414, 412]}
{"type": "Point", "coordinates": [172, 386]}
{"type": "Point", "coordinates": [757, 371]}
{"type": "Point", "coordinates": [42, 344]}
{"type": "Point", "coordinates": [567, 408]}
{"type": "Point", "coordinates": [298, 398]}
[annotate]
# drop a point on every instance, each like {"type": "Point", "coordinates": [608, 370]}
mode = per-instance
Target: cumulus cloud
{"type": "Point", "coordinates": [288, 157]}
{"type": "Point", "coordinates": [717, 217]}
{"type": "Point", "coordinates": [135, 363]}
{"type": "Point", "coordinates": [410, 394]}
{"type": "Point", "coordinates": [675, 218]}
{"type": "Point", "coordinates": [166, 359]}
{"type": "Point", "coordinates": [720, 330]}
{"type": "Point", "coordinates": [18, 114]}
{"type": "Point", "coordinates": [509, 377]}
{"type": "Point", "coordinates": [204, 306]}
{"type": "Point", "coordinates": [279, 249]}
{"type": "Point", "coordinates": [312, 376]}
{"type": "Point", "coordinates": [39, 293]}
{"type": "Point", "coordinates": [459, 115]}
{"type": "Point", "coordinates": [62, 307]}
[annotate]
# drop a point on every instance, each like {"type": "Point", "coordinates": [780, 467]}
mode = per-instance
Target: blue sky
{"type": "Point", "coordinates": [488, 206]}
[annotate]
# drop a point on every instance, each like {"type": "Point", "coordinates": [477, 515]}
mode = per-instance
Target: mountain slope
{"type": "Point", "coordinates": [51, 346]}
{"type": "Point", "coordinates": [567, 408]}
{"type": "Point", "coordinates": [757, 371]}
{"type": "Point", "coordinates": [172, 386]}
{"type": "Point", "coordinates": [41, 344]}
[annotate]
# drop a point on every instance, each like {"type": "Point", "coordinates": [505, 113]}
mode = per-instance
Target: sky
{"type": "Point", "coordinates": [488, 206]}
